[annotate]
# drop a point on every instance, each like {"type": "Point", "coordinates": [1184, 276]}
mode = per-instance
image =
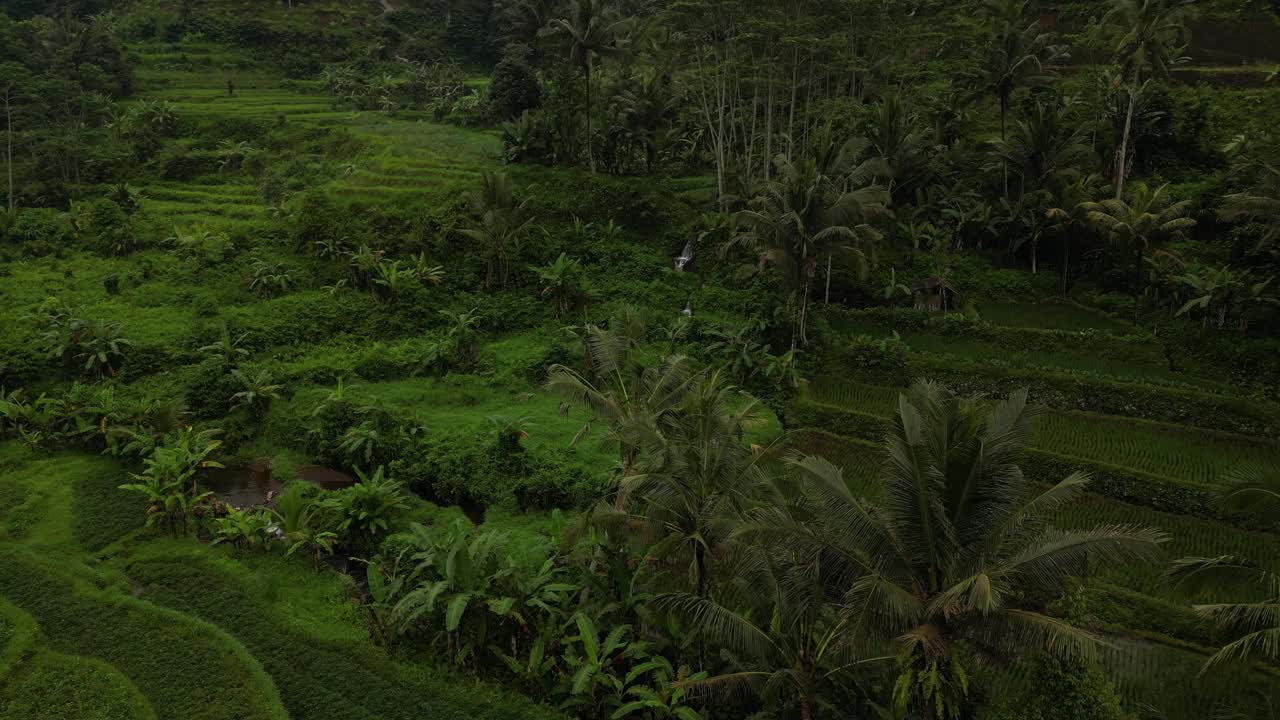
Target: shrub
{"type": "Point", "coordinates": [40, 231]}
{"type": "Point", "coordinates": [453, 469]}
{"type": "Point", "coordinates": [1065, 689]}
{"type": "Point", "coordinates": [514, 88]}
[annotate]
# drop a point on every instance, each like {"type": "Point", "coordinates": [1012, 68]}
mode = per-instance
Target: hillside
{"type": "Point", "coordinates": [637, 359]}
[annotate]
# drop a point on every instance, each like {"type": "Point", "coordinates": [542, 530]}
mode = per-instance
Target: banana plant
{"type": "Point", "coordinates": [245, 529]}
{"type": "Point", "coordinates": [596, 666]}
{"type": "Point", "coordinates": [666, 695]}
{"type": "Point", "coordinates": [457, 581]}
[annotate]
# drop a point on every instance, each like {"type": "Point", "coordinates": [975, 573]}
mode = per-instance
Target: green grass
{"type": "Point", "coordinates": [1148, 366]}
{"type": "Point", "coordinates": [860, 461]}
{"type": "Point", "coordinates": [52, 685]}
{"type": "Point", "coordinates": [319, 678]}
{"type": "Point", "coordinates": [1050, 316]}
{"type": "Point", "coordinates": [17, 637]}
{"type": "Point", "coordinates": [462, 403]}
{"type": "Point", "coordinates": [102, 512]}
{"type": "Point", "coordinates": [36, 499]}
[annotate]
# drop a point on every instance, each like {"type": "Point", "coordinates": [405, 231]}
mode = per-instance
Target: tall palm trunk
{"type": "Point", "coordinates": [1122, 158]}
{"type": "Point", "coordinates": [8, 155]}
{"type": "Point", "coordinates": [826, 300]}
{"type": "Point", "coordinates": [1137, 280]}
{"type": "Point", "coordinates": [591, 152]}
{"type": "Point", "coordinates": [1066, 258]}
{"type": "Point", "coordinates": [1004, 166]}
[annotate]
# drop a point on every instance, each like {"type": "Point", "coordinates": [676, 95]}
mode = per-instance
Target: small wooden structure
{"type": "Point", "coordinates": [934, 294]}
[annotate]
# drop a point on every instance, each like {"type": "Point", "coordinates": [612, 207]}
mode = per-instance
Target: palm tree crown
{"type": "Point", "coordinates": [957, 549]}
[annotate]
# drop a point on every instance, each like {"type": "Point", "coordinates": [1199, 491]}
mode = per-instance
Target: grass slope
{"type": "Point", "coordinates": [319, 679]}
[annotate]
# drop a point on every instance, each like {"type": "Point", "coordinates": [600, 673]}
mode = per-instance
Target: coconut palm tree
{"type": "Point", "coordinates": [1147, 218]}
{"type": "Point", "coordinates": [590, 30]}
{"type": "Point", "coordinates": [503, 224]}
{"type": "Point", "coordinates": [949, 559]}
{"type": "Point", "coordinates": [781, 629]}
{"type": "Point", "coordinates": [1019, 54]}
{"type": "Point", "coordinates": [1257, 621]}
{"type": "Point", "coordinates": [1046, 146]}
{"type": "Point", "coordinates": [802, 218]}
{"type": "Point", "coordinates": [1256, 164]}
{"type": "Point", "coordinates": [1150, 35]}
{"type": "Point", "coordinates": [645, 108]}
{"type": "Point", "coordinates": [690, 485]}
{"type": "Point", "coordinates": [628, 394]}
{"type": "Point", "coordinates": [1044, 149]}
{"type": "Point", "coordinates": [1068, 216]}
{"type": "Point", "coordinates": [903, 144]}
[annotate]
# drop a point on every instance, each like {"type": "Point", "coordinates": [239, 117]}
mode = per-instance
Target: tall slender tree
{"type": "Point", "coordinates": [590, 31]}
{"type": "Point", "coordinates": [1150, 36]}
{"type": "Point", "coordinates": [1068, 216]}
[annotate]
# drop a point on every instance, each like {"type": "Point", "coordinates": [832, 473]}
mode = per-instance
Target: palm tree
{"type": "Point", "coordinates": [621, 389]}
{"type": "Point", "coordinates": [785, 639]}
{"type": "Point", "coordinates": [1068, 214]}
{"type": "Point", "coordinates": [1146, 219]}
{"type": "Point", "coordinates": [565, 282]}
{"type": "Point", "coordinates": [902, 143]}
{"type": "Point", "coordinates": [696, 479]}
{"type": "Point", "coordinates": [645, 108]}
{"type": "Point", "coordinates": [229, 348]}
{"type": "Point", "coordinates": [803, 217]}
{"type": "Point", "coordinates": [1045, 148]}
{"type": "Point", "coordinates": [952, 554]}
{"type": "Point", "coordinates": [1019, 55]}
{"type": "Point", "coordinates": [503, 223]}
{"type": "Point", "coordinates": [590, 31]}
{"type": "Point", "coordinates": [1256, 163]}
{"type": "Point", "coordinates": [1151, 34]}
{"type": "Point", "coordinates": [1259, 620]}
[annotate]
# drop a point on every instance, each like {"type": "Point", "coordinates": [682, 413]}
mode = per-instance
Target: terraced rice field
{"type": "Point", "coordinates": [1174, 451]}
{"type": "Point", "coordinates": [1050, 316]}
{"type": "Point", "coordinates": [1188, 537]}
{"type": "Point", "coordinates": [1191, 455]}
{"type": "Point", "coordinates": [405, 157]}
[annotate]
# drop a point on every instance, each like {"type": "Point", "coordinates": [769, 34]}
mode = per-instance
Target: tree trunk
{"type": "Point", "coordinates": [8, 155]}
{"type": "Point", "coordinates": [1122, 157]}
{"type": "Point", "coordinates": [768, 128]}
{"type": "Point", "coordinates": [1035, 247]}
{"type": "Point", "coordinates": [1004, 166]}
{"type": "Point", "coordinates": [591, 153]}
{"type": "Point", "coordinates": [1066, 258]}
{"type": "Point", "coordinates": [1137, 282]}
{"type": "Point", "coordinates": [827, 298]}
{"type": "Point", "coordinates": [806, 708]}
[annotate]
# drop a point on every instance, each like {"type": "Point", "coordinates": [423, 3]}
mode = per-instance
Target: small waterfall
{"type": "Point", "coordinates": [686, 256]}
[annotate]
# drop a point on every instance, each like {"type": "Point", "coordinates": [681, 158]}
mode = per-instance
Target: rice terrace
{"type": "Point", "coordinates": [639, 359]}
